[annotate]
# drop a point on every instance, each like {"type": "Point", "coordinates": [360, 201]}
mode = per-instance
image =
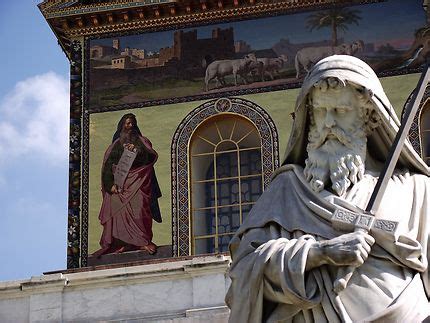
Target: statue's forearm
{"type": "Point", "coordinates": [350, 249]}
{"type": "Point", "coordinates": [316, 257]}
{"type": "Point", "coordinates": [286, 269]}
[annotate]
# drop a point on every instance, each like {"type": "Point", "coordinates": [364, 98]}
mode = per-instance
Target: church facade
{"type": "Point", "coordinates": [212, 86]}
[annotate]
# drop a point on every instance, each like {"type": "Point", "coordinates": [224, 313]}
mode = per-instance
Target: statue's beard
{"type": "Point", "coordinates": [335, 156]}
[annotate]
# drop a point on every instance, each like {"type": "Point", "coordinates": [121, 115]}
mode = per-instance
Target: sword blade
{"type": "Point", "coordinates": [396, 148]}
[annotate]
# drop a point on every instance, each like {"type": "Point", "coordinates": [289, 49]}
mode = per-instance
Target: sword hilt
{"type": "Point", "coordinates": [345, 220]}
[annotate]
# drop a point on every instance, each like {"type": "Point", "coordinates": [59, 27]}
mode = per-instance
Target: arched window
{"type": "Point", "coordinates": [223, 155]}
{"type": "Point", "coordinates": [226, 179]}
{"type": "Point", "coordinates": [425, 132]}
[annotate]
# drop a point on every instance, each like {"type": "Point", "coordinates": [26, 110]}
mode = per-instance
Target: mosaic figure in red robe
{"type": "Point", "coordinates": [130, 191]}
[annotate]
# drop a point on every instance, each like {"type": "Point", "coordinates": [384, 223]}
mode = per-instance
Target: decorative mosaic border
{"type": "Point", "coordinates": [74, 211]}
{"type": "Point", "coordinates": [85, 187]}
{"type": "Point", "coordinates": [85, 170]}
{"type": "Point", "coordinates": [180, 158]}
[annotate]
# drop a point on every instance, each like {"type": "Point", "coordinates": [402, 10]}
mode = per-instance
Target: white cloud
{"type": "Point", "coordinates": [34, 119]}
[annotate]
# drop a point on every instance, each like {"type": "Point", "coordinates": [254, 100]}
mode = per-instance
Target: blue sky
{"type": "Point", "coordinates": [34, 113]}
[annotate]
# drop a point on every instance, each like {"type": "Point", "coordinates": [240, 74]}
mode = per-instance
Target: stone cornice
{"type": "Point", "coordinates": [151, 273]}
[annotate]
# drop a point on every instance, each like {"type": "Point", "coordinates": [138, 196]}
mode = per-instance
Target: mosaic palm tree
{"type": "Point", "coordinates": [336, 19]}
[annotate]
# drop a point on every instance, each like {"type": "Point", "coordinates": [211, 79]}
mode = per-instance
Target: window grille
{"type": "Point", "coordinates": [226, 180]}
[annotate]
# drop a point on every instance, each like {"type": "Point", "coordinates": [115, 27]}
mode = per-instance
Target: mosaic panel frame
{"type": "Point", "coordinates": [77, 249]}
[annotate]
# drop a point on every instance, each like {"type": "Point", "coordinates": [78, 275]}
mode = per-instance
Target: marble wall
{"type": "Point", "coordinates": [168, 292]}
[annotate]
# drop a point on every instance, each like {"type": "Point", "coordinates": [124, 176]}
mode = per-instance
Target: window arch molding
{"type": "Point", "coordinates": [423, 121]}
{"type": "Point", "coordinates": [180, 154]}
{"type": "Point", "coordinates": [415, 132]}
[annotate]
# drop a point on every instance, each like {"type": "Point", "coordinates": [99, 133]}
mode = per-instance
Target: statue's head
{"type": "Point", "coordinates": [341, 115]}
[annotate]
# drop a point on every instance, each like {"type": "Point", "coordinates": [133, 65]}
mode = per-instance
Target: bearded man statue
{"type": "Point", "coordinates": [287, 255]}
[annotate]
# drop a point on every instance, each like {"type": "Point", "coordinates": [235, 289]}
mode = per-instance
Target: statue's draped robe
{"type": "Point", "coordinates": [127, 216]}
{"type": "Point", "coordinates": [269, 282]}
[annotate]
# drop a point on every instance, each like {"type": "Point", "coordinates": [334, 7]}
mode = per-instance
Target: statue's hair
{"type": "Point", "coordinates": [368, 111]}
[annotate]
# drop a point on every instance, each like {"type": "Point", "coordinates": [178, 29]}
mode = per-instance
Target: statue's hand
{"type": "Point", "coordinates": [350, 249]}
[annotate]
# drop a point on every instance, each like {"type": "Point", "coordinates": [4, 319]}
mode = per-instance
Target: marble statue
{"type": "Point", "coordinates": [287, 254]}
